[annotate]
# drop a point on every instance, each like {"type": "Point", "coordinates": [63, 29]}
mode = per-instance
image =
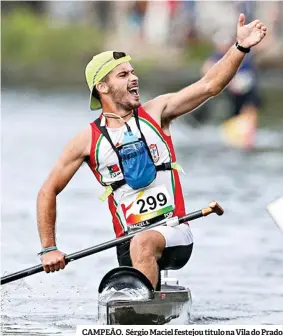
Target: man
{"type": "Point", "coordinates": [130, 152]}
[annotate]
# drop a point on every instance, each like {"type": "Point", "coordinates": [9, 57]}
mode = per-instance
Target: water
{"type": "Point", "coordinates": [129, 294]}
{"type": "Point", "coordinates": [236, 269]}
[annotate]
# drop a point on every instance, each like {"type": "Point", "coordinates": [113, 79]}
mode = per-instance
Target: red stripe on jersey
{"type": "Point", "coordinates": [117, 225]}
{"type": "Point", "coordinates": [92, 155]}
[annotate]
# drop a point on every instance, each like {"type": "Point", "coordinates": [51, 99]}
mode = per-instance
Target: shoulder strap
{"type": "Point", "coordinates": [136, 114]}
{"type": "Point", "coordinates": [104, 131]}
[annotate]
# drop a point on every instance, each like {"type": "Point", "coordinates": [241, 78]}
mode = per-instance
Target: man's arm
{"type": "Point", "coordinates": [210, 85]}
{"type": "Point", "coordinates": [64, 169]}
{"type": "Point", "coordinates": [170, 106]}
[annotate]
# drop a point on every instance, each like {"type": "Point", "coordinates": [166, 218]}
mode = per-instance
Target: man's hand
{"type": "Point", "coordinates": [251, 34]}
{"type": "Point", "coordinates": [53, 261]}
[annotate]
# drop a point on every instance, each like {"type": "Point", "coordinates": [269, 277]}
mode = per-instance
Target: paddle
{"type": "Point", "coordinates": [214, 207]}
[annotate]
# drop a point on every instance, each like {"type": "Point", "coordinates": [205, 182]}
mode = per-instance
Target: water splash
{"type": "Point", "coordinates": [129, 294]}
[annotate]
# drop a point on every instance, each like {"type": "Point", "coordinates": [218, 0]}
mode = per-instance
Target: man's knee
{"type": "Point", "coordinates": [175, 257]}
{"type": "Point", "coordinates": [147, 245]}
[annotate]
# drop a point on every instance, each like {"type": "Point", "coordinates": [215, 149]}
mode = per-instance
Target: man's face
{"type": "Point", "coordinates": [124, 87]}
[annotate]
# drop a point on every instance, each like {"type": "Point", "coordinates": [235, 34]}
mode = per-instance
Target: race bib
{"type": "Point", "coordinates": [145, 205]}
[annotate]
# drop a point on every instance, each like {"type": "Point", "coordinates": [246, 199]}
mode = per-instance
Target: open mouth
{"type": "Point", "coordinates": [134, 91]}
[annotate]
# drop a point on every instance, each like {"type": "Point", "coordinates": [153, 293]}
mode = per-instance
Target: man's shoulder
{"type": "Point", "coordinates": [155, 109]}
{"type": "Point", "coordinates": [85, 133]}
{"type": "Point", "coordinates": [82, 140]}
{"type": "Point", "coordinates": [79, 144]}
{"type": "Point", "coordinates": [156, 106]}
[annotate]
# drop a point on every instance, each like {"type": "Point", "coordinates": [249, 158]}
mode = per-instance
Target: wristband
{"type": "Point", "coordinates": [47, 249]}
{"type": "Point", "coordinates": [242, 49]}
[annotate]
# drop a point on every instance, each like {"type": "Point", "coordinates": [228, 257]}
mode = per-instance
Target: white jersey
{"type": "Point", "coordinates": [129, 207]}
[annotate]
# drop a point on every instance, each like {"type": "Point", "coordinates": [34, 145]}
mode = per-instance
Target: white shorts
{"type": "Point", "coordinates": [176, 235]}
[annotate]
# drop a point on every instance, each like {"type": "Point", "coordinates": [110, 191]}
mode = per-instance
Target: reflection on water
{"type": "Point", "coordinates": [235, 273]}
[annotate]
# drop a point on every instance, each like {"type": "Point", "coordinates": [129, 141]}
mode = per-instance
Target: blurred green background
{"type": "Point", "coordinates": [48, 44]}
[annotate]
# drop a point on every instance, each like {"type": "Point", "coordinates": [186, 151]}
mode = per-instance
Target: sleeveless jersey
{"type": "Point", "coordinates": [104, 164]}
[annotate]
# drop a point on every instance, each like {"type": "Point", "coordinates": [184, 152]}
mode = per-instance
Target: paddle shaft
{"type": "Point", "coordinates": [214, 207]}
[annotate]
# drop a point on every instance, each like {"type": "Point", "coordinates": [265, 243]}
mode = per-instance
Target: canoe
{"type": "Point", "coordinates": [124, 306]}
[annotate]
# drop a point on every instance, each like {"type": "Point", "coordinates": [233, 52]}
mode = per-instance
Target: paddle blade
{"type": "Point", "coordinates": [275, 210]}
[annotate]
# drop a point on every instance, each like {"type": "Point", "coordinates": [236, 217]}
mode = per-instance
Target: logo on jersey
{"type": "Point", "coordinates": [114, 170]}
{"type": "Point", "coordinates": [125, 208]}
{"type": "Point", "coordinates": [154, 152]}
{"type": "Point", "coordinates": [169, 214]}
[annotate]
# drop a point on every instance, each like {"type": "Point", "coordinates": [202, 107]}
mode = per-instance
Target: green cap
{"type": "Point", "coordinates": [99, 67]}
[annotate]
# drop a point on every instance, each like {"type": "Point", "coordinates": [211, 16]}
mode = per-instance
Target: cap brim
{"type": "Point", "coordinates": [94, 103]}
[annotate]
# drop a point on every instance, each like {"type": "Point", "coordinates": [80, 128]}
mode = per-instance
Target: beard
{"type": "Point", "coordinates": [123, 99]}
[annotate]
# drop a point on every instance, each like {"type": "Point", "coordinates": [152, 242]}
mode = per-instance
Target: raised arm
{"type": "Point", "coordinates": [69, 162]}
{"type": "Point", "coordinates": [215, 80]}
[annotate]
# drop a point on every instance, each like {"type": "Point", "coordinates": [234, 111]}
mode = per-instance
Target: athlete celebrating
{"type": "Point", "coordinates": [130, 152]}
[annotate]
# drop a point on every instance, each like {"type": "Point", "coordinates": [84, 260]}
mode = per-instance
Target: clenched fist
{"type": "Point", "coordinates": [53, 261]}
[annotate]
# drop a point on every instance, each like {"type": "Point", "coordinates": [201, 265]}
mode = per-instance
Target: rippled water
{"type": "Point", "coordinates": [236, 270]}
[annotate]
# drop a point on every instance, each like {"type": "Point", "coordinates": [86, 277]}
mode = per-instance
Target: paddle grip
{"type": "Point", "coordinates": [214, 207]}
